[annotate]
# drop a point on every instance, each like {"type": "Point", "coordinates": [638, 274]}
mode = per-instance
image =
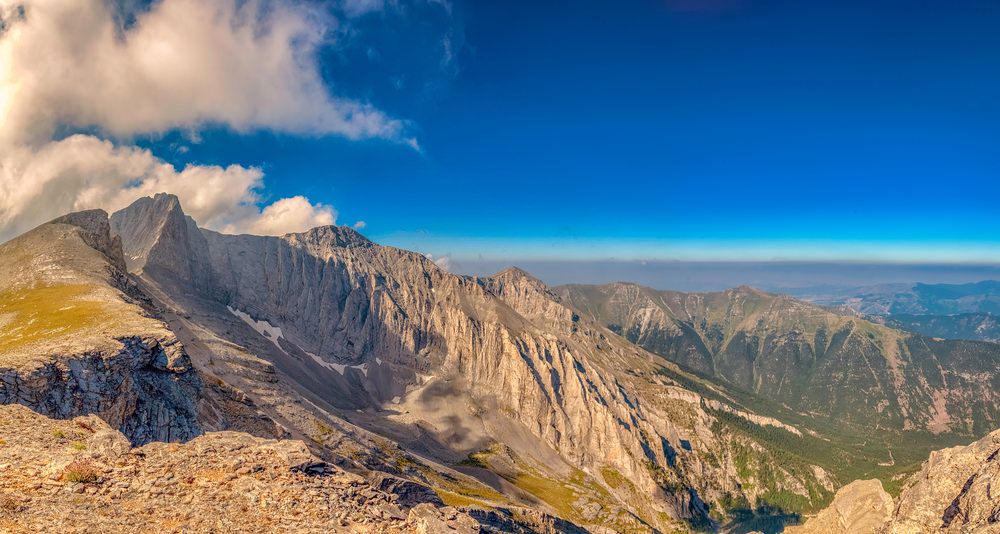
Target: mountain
{"type": "Point", "coordinates": [610, 408]}
{"type": "Point", "coordinates": [982, 326]}
{"type": "Point", "coordinates": [821, 368]}
{"type": "Point", "coordinates": [951, 311]}
{"type": "Point", "coordinates": [488, 389]}
{"type": "Point", "coordinates": [912, 299]}
{"type": "Point", "coordinates": [478, 392]}
{"type": "Point", "coordinates": [77, 336]}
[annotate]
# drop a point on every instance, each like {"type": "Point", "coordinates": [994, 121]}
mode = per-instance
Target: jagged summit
{"type": "Point", "coordinates": [156, 233]}
{"type": "Point", "coordinates": [96, 233]}
{"type": "Point", "coordinates": [322, 238]}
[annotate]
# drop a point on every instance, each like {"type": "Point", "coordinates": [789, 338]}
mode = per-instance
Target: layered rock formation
{"type": "Point", "coordinates": [75, 338]}
{"type": "Point", "coordinates": [379, 341]}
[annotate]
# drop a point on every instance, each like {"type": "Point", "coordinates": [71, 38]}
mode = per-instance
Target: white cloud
{"type": "Point", "coordinates": [68, 65]}
{"type": "Point", "coordinates": [290, 215]}
{"type": "Point", "coordinates": [360, 225]}
{"type": "Point", "coordinates": [183, 64]}
{"type": "Point", "coordinates": [83, 172]}
{"type": "Point", "coordinates": [444, 262]}
{"type": "Point", "coordinates": [356, 8]}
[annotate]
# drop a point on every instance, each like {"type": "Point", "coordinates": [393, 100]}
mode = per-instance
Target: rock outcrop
{"type": "Point", "coordinates": [83, 476]}
{"type": "Point", "coordinates": [954, 492]}
{"type": "Point", "coordinates": [860, 507]}
{"type": "Point", "coordinates": [74, 339]}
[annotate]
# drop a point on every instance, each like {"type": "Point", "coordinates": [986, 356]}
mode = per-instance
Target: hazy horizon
{"type": "Point", "coordinates": [777, 276]}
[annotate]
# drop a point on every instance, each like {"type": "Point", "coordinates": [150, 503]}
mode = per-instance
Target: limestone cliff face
{"type": "Point", "coordinates": [74, 340]}
{"type": "Point", "coordinates": [145, 389]}
{"type": "Point", "coordinates": [364, 326]}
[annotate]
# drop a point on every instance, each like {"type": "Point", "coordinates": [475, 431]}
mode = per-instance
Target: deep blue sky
{"type": "Point", "coordinates": [660, 129]}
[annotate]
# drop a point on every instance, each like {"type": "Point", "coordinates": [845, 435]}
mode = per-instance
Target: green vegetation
{"type": "Point", "coordinates": [81, 471]}
{"type": "Point", "coordinates": [79, 445]}
{"type": "Point", "coordinates": [786, 501]}
{"type": "Point", "coordinates": [39, 313]}
{"type": "Point", "coordinates": [323, 428]}
{"type": "Point", "coordinates": [58, 434]}
{"type": "Point", "coordinates": [474, 460]}
{"type": "Point", "coordinates": [614, 479]}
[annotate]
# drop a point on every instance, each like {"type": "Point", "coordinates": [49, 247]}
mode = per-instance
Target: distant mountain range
{"type": "Point", "coordinates": [815, 360]}
{"type": "Point", "coordinates": [952, 311]}
{"type": "Point", "coordinates": [912, 299]}
{"type": "Point", "coordinates": [613, 408]}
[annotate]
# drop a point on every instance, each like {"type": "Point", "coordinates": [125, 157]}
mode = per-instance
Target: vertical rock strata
{"type": "Point", "coordinates": [388, 322]}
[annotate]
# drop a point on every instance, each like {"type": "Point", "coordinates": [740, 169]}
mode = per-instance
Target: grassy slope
{"type": "Point", "coordinates": [55, 293]}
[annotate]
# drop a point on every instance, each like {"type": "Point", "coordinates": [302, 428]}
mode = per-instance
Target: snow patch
{"type": "Point", "coordinates": [340, 368]}
{"type": "Point", "coordinates": [264, 328]}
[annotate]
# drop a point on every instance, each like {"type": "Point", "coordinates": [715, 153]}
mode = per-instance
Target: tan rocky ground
{"type": "Point", "coordinates": [858, 508]}
{"type": "Point", "coordinates": [82, 476]}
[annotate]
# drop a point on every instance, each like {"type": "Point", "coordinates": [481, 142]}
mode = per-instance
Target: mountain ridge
{"type": "Point", "coordinates": [494, 391]}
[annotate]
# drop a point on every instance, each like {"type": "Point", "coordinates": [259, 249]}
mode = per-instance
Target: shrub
{"type": "Point", "coordinates": [81, 471]}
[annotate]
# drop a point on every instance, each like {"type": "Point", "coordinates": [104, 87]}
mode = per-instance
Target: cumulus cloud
{"type": "Point", "coordinates": [360, 225]}
{"type": "Point", "coordinates": [182, 64]}
{"type": "Point", "coordinates": [72, 66]}
{"type": "Point", "coordinates": [82, 172]}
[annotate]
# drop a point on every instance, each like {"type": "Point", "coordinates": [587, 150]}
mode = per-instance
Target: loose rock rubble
{"type": "Point", "coordinates": [82, 476]}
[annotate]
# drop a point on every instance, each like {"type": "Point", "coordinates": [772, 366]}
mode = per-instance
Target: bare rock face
{"type": "Point", "coordinates": [146, 389]}
{"type": "Point", "coordinates": [955, 491]}
{"type": "Point", "coordinates": [860, 507]}
{"type": "Point", "coordinates": [97, 234]}
{"type": "Point", "coordinates": [156, 235]}
{"type": "Point", "coordinates": [74, 341]}
{"type": "Point", "coordinates": [448, 365]}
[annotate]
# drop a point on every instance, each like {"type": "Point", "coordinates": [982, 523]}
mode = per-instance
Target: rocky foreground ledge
{"type": "Point", "coordinates": [80, 475]}
{"type": "Point", "coordinates": [955, 492]}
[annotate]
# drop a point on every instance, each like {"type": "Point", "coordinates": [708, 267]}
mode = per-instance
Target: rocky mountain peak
{"type": "Point", "coordinates": [515, 276]}
{"type": "Point", "coordinates": [322, 239]}
{"type": "Point", "coordinates": [157, 234]}
{"type": "Point", "coordinates": [96, 233]}
{"type": "Point", "coordinates": [745, 290]}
